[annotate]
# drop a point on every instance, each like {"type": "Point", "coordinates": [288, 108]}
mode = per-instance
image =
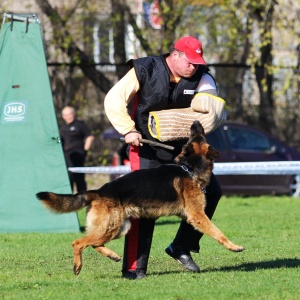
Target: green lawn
{"type": "Point", "coordinates": [39, 266]}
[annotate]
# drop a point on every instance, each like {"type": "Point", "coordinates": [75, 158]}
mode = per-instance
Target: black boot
{"type": "Point", "coordinates": [183, 257]}
{"type": "Point", "coordinates": [136, 274]}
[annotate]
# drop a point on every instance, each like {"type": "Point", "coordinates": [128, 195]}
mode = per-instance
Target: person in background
{"type": "Point", "coordinates": [157, 83]}
{"type": "Point", "coordinates": [76, 141]}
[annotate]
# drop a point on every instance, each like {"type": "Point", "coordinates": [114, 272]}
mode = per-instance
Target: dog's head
{"type": "Point", "coordinates": [197, 151]}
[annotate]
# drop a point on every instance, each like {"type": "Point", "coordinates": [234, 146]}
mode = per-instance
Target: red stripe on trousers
{"type": "Point", "coordinates": [133, 234]}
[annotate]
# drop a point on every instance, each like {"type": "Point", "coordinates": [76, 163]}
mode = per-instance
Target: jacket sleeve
{"type": "Point", "coordinates": [117, 100]}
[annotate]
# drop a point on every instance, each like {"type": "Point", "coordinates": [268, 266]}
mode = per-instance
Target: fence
{"type": "Point", "coordinates": [245, 168]}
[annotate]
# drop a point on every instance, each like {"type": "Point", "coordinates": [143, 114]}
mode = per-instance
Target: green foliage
{"type": "Point", "coordinates": [262, 34]}
{"type": "Point", "coordinates": [39, 266]}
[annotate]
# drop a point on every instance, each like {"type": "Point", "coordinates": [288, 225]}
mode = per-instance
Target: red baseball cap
{"type": "Point", "coordinates": [192, 48]}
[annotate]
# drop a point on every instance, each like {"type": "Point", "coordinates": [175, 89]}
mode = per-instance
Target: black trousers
{"type": "Point", "coordinates": [139, 238]}
{"type": "Point", "coordinates": [76, 159]}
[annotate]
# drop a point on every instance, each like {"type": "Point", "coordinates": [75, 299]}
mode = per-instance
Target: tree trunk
{"type": "Point", "coordinates": [263, 70]}
{"type": "Point", "coordinates": [118, 21]}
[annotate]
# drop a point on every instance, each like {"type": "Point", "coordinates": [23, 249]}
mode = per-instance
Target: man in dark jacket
{"type": "Point", "coordinates": [76, 140]}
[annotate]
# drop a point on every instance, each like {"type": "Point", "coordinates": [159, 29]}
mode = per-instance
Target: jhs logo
{"type": "Point", "coordinates": [14, 109]}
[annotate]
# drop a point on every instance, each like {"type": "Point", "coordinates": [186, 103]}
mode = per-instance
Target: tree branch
{"type": "Point", "coordinates": [65, 42]}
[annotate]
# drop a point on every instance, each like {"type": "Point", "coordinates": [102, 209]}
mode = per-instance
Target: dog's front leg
{"type": "Point", "coordinates": [202, 223]}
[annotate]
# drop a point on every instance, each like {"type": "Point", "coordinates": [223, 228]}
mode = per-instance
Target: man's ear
{"type": "Point", "coordinates": [212, 153]}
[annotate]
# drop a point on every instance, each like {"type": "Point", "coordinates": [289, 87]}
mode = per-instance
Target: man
{"type": "Point", "coordinates": [156, 83]}
{"type": "Point", "coordinates": [77, 141]}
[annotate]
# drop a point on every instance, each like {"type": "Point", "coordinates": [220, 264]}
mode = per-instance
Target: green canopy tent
{"type": "Point", "coordinates": [31, 156]}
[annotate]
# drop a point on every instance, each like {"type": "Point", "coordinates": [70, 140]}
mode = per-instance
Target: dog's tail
{"type": "Point", "coordinates": [65, 203]}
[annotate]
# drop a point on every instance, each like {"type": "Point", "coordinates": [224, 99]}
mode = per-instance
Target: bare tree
{"type": "Point", "coordinates": [64, 40]}
{"type": "Point", "coordinates": [263, 66]}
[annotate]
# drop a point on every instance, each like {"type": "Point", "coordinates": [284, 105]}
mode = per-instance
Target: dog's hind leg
{"type": "Point", "coordinates": [202, 223]}
{"type": "Point", "coordinates": [104, 223]}
{"type": "Point", "coordinates": [97, 242]}
{"type": "Point", "coordinates": [117, 233]}
{"type": "Point", "coordinates": [78, 246]}
{"type": "Point", "coordinates": [107, 252]}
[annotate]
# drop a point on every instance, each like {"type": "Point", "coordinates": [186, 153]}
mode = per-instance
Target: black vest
{"type": "Point", "coordinates": [153, 75]}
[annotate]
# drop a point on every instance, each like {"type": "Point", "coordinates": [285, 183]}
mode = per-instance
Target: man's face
{"type": "Point", "coordinates": [68, 115]}
{"type": "Point", "coordinates": [182, 66]}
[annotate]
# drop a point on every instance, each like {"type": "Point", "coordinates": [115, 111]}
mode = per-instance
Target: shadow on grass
{"type": "Point", "coordinates": [248, 267]}
{"type": "Point", "coordinates": [271, 264]}
{"type": "Point", "coordinates": [253, 266]}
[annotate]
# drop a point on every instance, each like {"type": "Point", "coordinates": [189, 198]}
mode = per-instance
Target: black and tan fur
{"type": "Point", "coordinates": [175, 189]}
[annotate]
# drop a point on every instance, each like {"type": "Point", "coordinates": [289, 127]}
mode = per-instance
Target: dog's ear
{"type": "Point", "coordinates": [212, 153]}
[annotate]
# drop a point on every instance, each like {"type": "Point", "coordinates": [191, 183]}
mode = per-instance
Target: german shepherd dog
{"type": "Point", "coordinates": [174, 189]}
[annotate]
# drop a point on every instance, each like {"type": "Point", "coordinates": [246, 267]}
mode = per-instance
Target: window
{"type": "Point", "coordinates": [244, 139]}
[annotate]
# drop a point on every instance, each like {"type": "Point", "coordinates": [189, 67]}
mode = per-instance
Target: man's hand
{"type": "Point", "coordinates": [132, 138]}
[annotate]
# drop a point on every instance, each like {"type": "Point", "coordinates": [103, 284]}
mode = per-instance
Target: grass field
{"type": "Point", "coordinates": [39, 266]}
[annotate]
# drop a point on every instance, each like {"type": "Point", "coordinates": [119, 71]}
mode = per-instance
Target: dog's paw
{"type": "Point", "coordinates": [76, 270]}
{"type": "Point", "coordinates": [115, 258]}
{"type": "Point", "coordinates": [238, 248]}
